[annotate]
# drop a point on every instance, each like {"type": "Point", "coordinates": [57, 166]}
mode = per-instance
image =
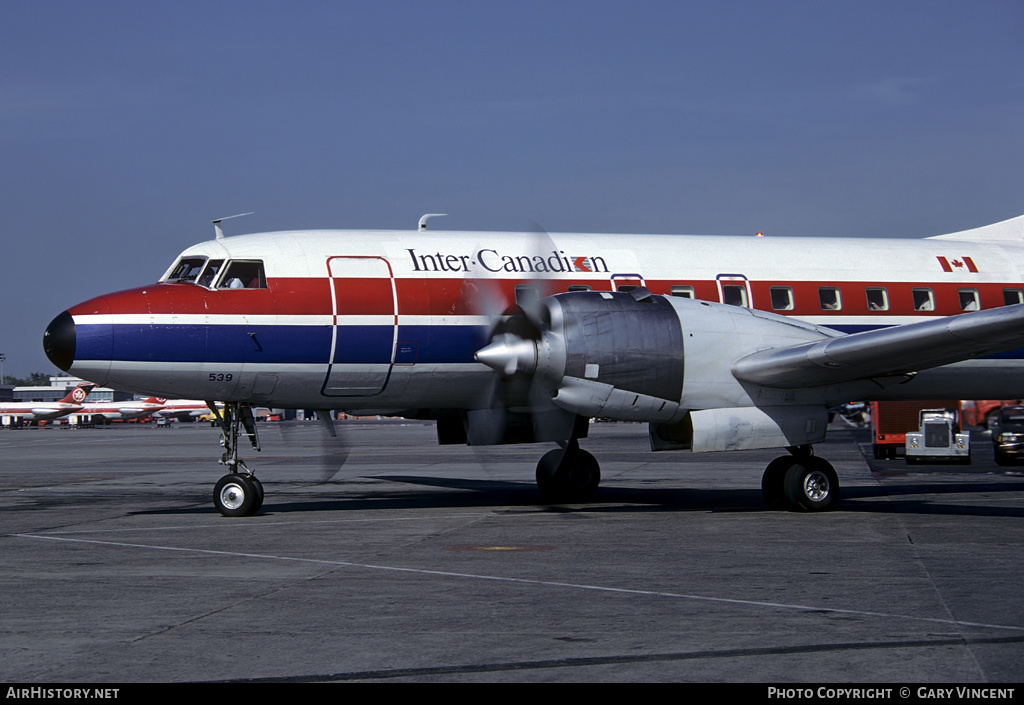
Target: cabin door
{"type": "Point", "coordinates": [365, 326]}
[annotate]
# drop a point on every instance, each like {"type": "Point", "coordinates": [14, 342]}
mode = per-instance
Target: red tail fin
{"type": "Point", "coordinates": [78, 394]}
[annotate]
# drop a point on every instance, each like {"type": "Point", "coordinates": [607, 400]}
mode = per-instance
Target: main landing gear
{"type": "Point", "coordinates": [800, 482]}
{"type": "Point", "coordinates": [568, 474]}
{"type": "Point", "coordinates": [238, 493]}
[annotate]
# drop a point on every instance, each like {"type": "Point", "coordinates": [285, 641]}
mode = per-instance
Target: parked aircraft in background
{"type": "Point", "coordinates": [47, 410]}
{"type": "Point", "coordinates": [182, 409]}
{"type": "Point", "coordinates": [115, 410]}
{"type": "Point", "coordinates": [718, 343]}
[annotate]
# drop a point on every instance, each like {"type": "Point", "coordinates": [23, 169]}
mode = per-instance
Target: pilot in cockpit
{"type": "Point", "coordinates": [210, 273]}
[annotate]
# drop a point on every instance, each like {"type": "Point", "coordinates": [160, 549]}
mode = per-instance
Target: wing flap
{"type": "Point", "coordinates": [895, 351]}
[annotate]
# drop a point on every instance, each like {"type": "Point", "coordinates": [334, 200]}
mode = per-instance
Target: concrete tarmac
{"type": "Point", "coordinates": [413, 562]}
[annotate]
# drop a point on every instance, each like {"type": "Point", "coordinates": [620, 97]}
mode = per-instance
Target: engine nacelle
{"type": "Point", "coordinates": [639, 357]}
{"type": "Point", "coordinates": [610, 354]}
{"type": "Point", "coordinates": [744, 428]}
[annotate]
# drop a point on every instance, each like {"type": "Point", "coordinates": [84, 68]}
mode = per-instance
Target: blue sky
{"type": "Point", "coordinates": [126, 127]}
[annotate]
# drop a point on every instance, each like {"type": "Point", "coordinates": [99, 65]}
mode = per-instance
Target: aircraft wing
{"type": "Point", "coordinates": [899, 350]}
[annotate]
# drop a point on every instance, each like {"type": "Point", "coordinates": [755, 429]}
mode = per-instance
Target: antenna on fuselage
{"type": "Point", "coordinates": [428, 216]}
{"type": "Point", "coordinates": [216, 223]}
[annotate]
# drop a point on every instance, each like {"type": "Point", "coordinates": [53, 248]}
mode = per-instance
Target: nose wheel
{"type": "Point", "coordinates": [239, 493]}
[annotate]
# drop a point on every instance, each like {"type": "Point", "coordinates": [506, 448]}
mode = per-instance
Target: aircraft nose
{"type": "Point", "coordinates": [59, 341]}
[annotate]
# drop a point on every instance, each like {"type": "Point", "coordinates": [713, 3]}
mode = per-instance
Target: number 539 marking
{"type": "Point", "coordinates": [221, 376]}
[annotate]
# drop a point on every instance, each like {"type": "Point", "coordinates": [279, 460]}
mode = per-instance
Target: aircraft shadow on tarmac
{"type": "Point", "coordinates": [913, 497]}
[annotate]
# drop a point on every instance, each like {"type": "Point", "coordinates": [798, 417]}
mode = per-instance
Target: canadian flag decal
{"type": "Point", "coordinates": [958, 264]}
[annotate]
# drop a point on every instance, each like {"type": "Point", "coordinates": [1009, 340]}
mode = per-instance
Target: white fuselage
{"type": "Point", "coordinates": [390, 321]}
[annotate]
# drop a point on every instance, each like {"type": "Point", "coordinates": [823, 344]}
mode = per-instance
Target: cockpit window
{"type": "Point", "coordinates": [187, 270]}
{"type": "Point", "coordinates": [209, 274]}
{"type": "Point", "coordinates": [243, 274]}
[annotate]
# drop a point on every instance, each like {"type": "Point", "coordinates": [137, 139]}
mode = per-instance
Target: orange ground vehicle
{"type": "Point", "coordinates": [981, 412]}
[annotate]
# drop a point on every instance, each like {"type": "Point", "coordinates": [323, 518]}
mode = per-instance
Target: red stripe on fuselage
{"type": "Point", "coordinates": [461, 297]}
{"type": "Point", "coordinates": [364, 296]}
{"type": "Point", "coordinates": [285, 296]}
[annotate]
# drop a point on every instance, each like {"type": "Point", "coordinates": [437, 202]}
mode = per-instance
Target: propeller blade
{"type": "Point", "coordinates": [334, 451]}
{"type": "Point", "coordinates": [519, 405]}
{"type": "Point", "coordinates": [324, 417]}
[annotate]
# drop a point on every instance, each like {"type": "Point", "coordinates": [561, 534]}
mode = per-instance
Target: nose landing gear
{"type": "Point", "coordinates": [238, 493]}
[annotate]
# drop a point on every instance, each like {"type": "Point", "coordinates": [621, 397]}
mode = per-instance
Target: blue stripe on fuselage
{"type": "Point", "coordinates": [443, 344]}
{"type": "Point", "coordinates": [270, 344]}
{"type": "Point", "coordinates": [205, 343]}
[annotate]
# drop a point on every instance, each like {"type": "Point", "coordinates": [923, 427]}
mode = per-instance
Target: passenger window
{"type": "Point", "coordinates": [1013, 296]}
{"type": "Point", "coordinates": [579, 287]}
{"type": "Point", "coordinates": [734, 295]}
{"type": "Point", "coordinates": [187, 269]}
{"type": "Point", "coordinates": [685, 292]}
{"type": "Point", "coordinates": [243, 274]}
{"type": "Point", "coordinates": [878, 299]}
{"type": "Point", "coordinates": [782, 298]}
{"type": "Point", "coordinates": [828, 297]}
{"type": "Point", "coordinates": [923, 300]}
{"type": "Point", "coordinates": [969, 300]}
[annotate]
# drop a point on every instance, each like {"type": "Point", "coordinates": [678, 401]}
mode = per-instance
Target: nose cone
{"type": "Point", "coordinates": [59, 341]}
{"type": "Point", "coordinates": [509, 354]}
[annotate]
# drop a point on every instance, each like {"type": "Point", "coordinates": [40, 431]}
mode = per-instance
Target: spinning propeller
{"type": "Point", "coordinates": [519, 406]}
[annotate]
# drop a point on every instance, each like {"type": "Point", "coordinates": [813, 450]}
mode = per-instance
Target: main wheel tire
{"type": "Point", "coordinates": [570, 475]}
{"type": "Point", "coordinates": [811, 485]}
{"type": "Point", "coordinates": [235, 495]}
{"type": "Point", "coordinates": [259, 494]}
{"type": "Point", "coordinates": [772, 482]}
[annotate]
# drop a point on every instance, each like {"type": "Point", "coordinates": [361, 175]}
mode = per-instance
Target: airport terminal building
{"type": "Point", "coordinates": [58, 389]}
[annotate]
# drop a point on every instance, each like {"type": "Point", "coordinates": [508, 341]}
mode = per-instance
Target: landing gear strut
{"type": "Point", "coordinates": [238, 493]}
{"type": "Point", "coordinates": [568, 474]}
{"type": "Point", "coordinates": [800, 482]}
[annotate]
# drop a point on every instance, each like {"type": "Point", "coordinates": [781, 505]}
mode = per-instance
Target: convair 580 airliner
{"type": "Point", "coordinates": [719, 343]}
